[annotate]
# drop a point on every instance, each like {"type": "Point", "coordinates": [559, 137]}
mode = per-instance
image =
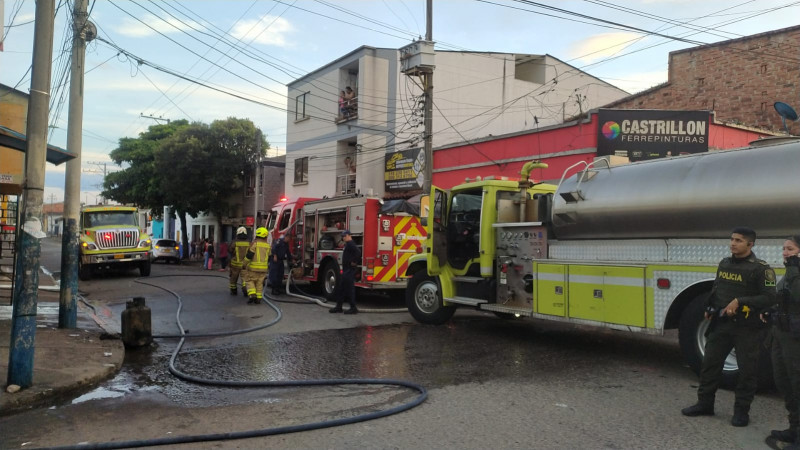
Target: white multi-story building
{"type": "Point", "coordinates": [337, 146]}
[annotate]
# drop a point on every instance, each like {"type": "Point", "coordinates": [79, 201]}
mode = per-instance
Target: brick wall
{"type": "Point", "coordinates": [739, 79]}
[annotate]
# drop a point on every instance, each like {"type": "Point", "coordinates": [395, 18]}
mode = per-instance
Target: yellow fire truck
{"type": "Point", "coordinates": [111, 238]}
{"type": "Point", "coordinates": [632, 247]}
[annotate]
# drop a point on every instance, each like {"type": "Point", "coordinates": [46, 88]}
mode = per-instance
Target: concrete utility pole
{"type": "Point", "coordinates": [26, 277]}
{"type": "Point", "coordinates": [427, 84]}
{"type": "Point", "coordinates": [255, 182]}
{"type": "Point", "coordinates": [67, 304]}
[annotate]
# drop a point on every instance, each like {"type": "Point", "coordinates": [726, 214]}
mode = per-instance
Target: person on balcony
{"type": "Point", "coordinates": [350, 104]}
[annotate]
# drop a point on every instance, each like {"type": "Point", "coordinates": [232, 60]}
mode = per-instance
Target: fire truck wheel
{"type": "Point", "coordinates": [84, 272]}
{"type": "Point", "coordinates": [329, 278]}
{"type": "Point", "coordinates": [424, 301]}
{"type": "Point", "coordinates": [691, 335]}
{"type": "Point", "coordinates": [144, 269]}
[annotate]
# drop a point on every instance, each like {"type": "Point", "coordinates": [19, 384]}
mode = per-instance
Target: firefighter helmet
{"type": "Point", "coordinates": [241, 230]}
{"type": "Point", "coordinates": [261, 232]}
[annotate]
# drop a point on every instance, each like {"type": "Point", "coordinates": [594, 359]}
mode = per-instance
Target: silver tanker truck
{"type": "Point", "coordinates": [632, 247]}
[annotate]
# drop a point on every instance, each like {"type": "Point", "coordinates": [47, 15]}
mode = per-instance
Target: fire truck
{"type": "Point", "coordinates": [387, 232]}
{"type": "Point", "coordinates": [111, 237]}
{"type": "Point", "coordinates": [630, 247]}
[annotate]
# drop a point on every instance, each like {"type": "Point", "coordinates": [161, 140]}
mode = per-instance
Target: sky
{"type": "Point", "coordinates": [254, 48]}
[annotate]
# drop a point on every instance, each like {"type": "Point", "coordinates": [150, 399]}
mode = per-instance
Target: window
{"type": "Point", "coordinates": [301, 170]}
{"type": "Point", "coordinates": [285, 218]}
{"type": "Point", "coordinates": [300, 106]}
{"type": "Point", "coordinates": [249, 185]}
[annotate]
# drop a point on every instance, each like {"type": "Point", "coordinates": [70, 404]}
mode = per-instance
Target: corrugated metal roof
{"type": "Point", "coordinates": [16, 140]}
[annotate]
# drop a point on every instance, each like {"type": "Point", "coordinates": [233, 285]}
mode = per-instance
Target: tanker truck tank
{"type": "Point", "coordinates": [696, 196]}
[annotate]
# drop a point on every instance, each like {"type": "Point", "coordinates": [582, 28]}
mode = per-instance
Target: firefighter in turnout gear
{"type": "Point", "coordinates": [745, 285]}
{"type": "Point", "coordinates": [255, 265]}
{"type": "Point", "coordinates": [238, 251]}
{"type": "Point", "coordinates": [785, 340]}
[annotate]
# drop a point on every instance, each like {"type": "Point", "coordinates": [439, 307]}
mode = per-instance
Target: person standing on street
{"type": "Point", "coordinates": [744, 285]}
{"type": "Point", "coordinates": [785, 339]}
{"type": "Point", "coordinates": [255, 265]}
{"type": "Point", "coordinates": [205, 253]}
{"type": "Point", "coordinates": [346, 288]}
{"type": "Point", "coordinates": [211, 254]}
{"type": "Point", "coordinates": [280, 253]}
{"type": "Point", "coordinates": [223, 256]}
{"type": "Point", "coordinates": [238, 253]}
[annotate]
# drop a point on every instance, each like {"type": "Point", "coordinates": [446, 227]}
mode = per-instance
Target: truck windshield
{"type": "Point", "coordinates": [109, 218]}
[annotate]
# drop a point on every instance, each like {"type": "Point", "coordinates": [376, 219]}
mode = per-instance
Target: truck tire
{"type": "Point", "coordinates": [144, 269]}
{"type": "Point", "coordinates": [424, 301]}
{"type": "Point", "coordinates": [329, 278]}
{"type": "Point", "coordinates": [84, 272]}
{"type": "Point", "coordinates": [691, 335]}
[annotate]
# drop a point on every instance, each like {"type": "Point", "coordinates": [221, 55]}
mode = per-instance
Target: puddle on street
{"type": "Point", "coordinates": [466, 350]}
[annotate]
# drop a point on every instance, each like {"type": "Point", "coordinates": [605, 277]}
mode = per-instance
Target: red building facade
{"type": "Point", "coordinates": [559, 146]}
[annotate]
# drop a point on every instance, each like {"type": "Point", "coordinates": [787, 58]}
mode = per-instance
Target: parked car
{"type": "Point", "coordinates": [166, 250]}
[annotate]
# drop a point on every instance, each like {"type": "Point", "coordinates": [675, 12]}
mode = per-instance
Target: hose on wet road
{"type": "Point", "coordinates": [419, 399]}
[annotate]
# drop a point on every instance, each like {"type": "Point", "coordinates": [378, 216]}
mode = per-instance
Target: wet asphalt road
{"type": "Point", "coordinates": [493, 383]}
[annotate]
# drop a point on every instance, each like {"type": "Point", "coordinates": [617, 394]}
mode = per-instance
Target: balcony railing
{"type": "Point", "coordinates": [346, 184]}
{"type": "Point", "coordinates": [348, 110]}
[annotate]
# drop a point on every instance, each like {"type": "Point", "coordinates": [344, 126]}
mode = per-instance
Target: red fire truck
{"type": "Point", "coordinates": [387, 232]}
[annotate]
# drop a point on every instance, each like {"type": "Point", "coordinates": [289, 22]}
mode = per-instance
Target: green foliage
{"type": "Point", "coordinates": [194, 168]}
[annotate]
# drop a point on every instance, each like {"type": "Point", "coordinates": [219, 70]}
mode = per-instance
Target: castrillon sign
{"type": "Point", "coordinates": [405, 170]}
{"type": "Point", "coordinates": [649, 134]}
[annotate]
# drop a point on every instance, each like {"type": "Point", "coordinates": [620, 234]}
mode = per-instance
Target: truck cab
{"type": "Point", "coordinates": [111, 237]}
{"type": "Point", "coordinates": [462, 257]}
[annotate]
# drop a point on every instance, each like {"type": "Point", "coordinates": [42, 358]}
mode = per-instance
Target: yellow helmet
{"type": "Point", "coordinates": [261, 232]}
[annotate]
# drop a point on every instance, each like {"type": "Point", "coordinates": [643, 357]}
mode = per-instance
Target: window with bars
{"type": "Point", "coordinates": [301, 170]}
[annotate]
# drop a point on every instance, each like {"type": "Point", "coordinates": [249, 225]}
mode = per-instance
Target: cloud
{"type": "Point", "coordinates": [601, 46]}
{"type": "Point", "coordinates": [135, 28]}
{"type": "Point", "coordinates": [268, 30]}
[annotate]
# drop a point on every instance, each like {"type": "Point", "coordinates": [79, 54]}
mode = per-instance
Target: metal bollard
{"type": "Point", "coordinates": [137, 330]}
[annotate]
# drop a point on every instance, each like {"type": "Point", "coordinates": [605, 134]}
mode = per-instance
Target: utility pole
{"type": "Point", "coordinates": [417, 60]}
{"type": "Point", "coordinates": [145, 116]}
{"type": "Point", "coordinates": [104, 166]}
{"type": "Point", "coordinates": [255, 182]}
{"type": "Point", "coordinates": [26, 276]}
{"type": "Point", "coordinates": [427, 84]}
{"type": "Point", "coordinates": [82, 31]}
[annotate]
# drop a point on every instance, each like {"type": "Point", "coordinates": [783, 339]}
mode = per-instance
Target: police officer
{"type": "Point", "coordinates": [255, 265]}
{"type": "Point", "coordinates": [785, 334]}
{"type": "Point", "coordinates": [744, 286]}
{"type": "Point", "coordinates": [351, 258]}
{"type": "Point", "coordinates": [280, 253]}
{"type": "Point", "coordinates": [238, 252]}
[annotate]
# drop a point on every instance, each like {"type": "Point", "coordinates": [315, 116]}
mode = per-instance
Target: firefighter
{"type": "Point", "coordinates": [785, 334]}
{"type": "Point", "coordinates": [255, 265]}
{"type": "Point", "coordinates": [346, 288]}
{"type": "Point", "coordinates": [744, 286]}
{"type": "Point", "coordinates": [238, 251]}
{"type": "Point", "coordinates": [280, 253]}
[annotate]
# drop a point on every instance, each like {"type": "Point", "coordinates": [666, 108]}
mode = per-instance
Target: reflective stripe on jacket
{"type": "Point", "coordinates": [239, 252]}
{"type": "Point", "coordinates": [260, 259]}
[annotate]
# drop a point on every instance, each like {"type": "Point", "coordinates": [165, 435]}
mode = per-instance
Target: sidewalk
{"type": "Point", "coordinates": [66, 362]}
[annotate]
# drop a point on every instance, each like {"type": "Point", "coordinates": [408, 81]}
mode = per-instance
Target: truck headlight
{"type": "Point", "coordinates": [144, 243]}
{"type": "Point", "coordinates": [88, 246]}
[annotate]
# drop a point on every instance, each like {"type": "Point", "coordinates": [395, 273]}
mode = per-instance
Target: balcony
{"type": "Point", "coordinates": [346, 184]}
{"type": "Point", "coordinates": [348, 110]}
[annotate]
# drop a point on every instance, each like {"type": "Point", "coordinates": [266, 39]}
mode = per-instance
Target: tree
{"type": "Point", "coordinates": [139, 183]}
{"type": "Point", "coordinates": [209, 163]}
